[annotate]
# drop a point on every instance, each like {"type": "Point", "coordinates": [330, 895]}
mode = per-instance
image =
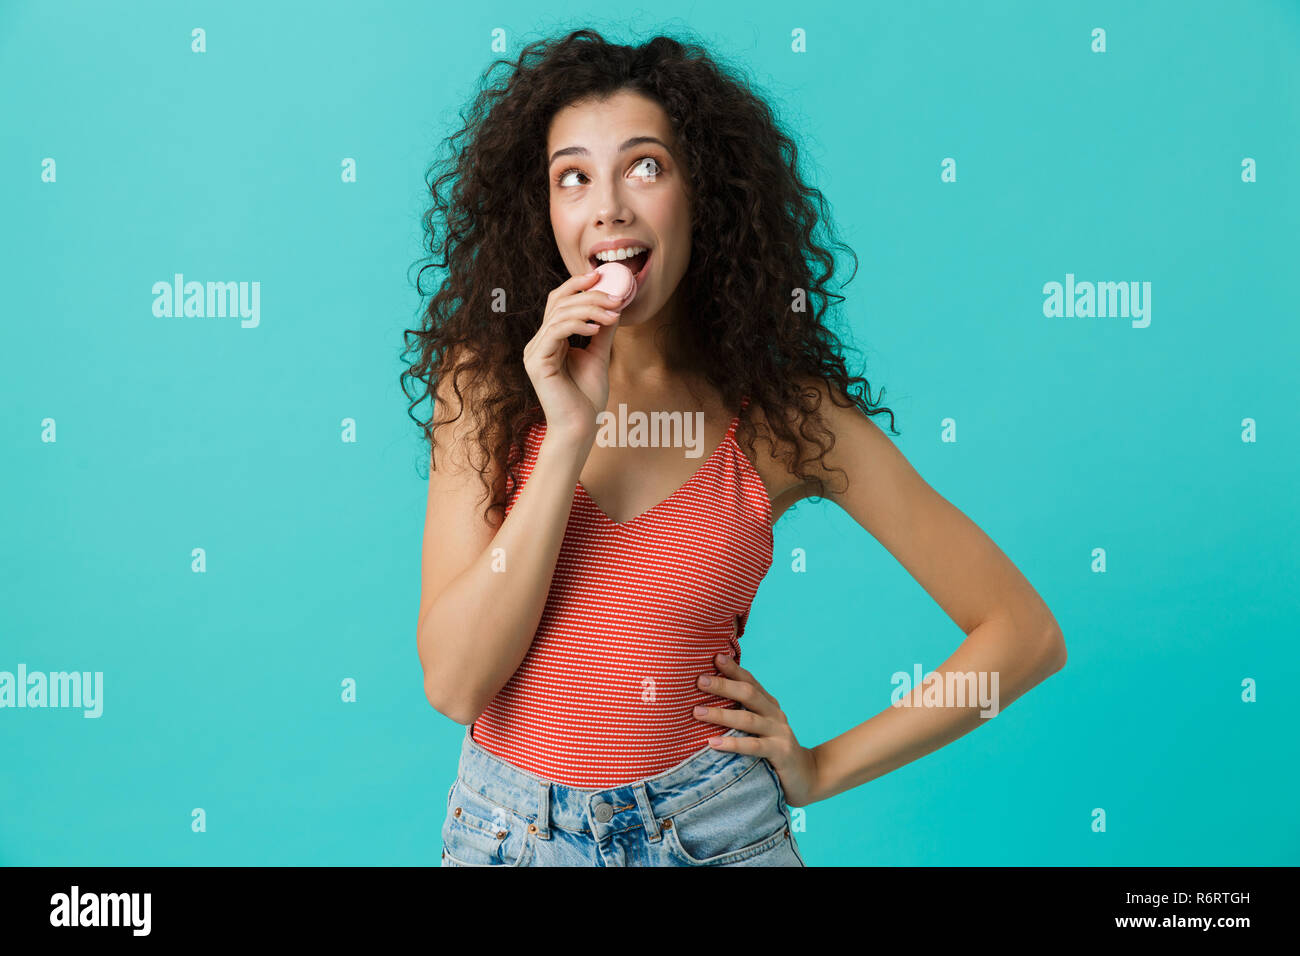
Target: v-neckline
{"type": "Point", "coordinates": [655, 507]}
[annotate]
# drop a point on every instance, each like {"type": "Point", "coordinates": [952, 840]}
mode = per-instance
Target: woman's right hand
{"type": "Point", "coordinates": [573, 384]}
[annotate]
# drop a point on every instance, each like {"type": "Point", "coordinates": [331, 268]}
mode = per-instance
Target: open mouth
{"type": "Point", "coordinates": [637, 263]}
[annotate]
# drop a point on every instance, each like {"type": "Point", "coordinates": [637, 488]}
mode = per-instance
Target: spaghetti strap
{"type": "Point", "coordinates": [735, 421]}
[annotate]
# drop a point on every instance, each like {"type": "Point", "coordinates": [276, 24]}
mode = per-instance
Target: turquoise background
{"type": "Point", "coordinates": [222, 689]}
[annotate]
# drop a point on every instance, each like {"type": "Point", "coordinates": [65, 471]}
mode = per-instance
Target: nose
{"type": "Point", "coordinates": [610, 207]}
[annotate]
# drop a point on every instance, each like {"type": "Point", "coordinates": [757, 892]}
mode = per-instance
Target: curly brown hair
{"type": "Point", "coordinates": [755, 286]}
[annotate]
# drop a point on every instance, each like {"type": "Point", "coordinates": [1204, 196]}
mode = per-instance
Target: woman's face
{"type": "Point", "coordinates": [605, 185]}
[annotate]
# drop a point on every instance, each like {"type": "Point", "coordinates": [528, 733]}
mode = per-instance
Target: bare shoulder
{"type": "Point", "coordinates": [775, 458]}
{"type": "Point", "coordinates": [844, 426]}
{"type": "Point", "coordinates": [459, 416]}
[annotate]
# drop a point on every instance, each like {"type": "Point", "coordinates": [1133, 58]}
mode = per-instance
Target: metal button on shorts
{"type": "Point", "coordinates": [604, 812]}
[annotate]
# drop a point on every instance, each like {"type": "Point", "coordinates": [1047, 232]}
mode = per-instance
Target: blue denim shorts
{"type": "Point", "coordinates": [715, 808]}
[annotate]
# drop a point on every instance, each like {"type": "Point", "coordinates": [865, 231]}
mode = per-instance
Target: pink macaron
{"type": "Point", "coordinates": [617, 280]}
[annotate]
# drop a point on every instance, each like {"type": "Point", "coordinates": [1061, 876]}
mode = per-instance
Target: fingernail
{"type": "Point", "coordinates": [705, 681]}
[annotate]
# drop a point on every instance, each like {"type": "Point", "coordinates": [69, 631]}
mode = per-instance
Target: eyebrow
{"type": "Point", "coordinates": [582, 150]}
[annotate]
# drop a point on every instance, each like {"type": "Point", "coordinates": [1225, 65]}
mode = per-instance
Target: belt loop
{"type": "Point", "coordinates": [648, 820]}
{"type": "Point", "coordinates": [543, 810]}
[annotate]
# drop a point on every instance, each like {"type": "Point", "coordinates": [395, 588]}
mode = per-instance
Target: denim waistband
{"type": "Point", "coordinates": [600, 812]}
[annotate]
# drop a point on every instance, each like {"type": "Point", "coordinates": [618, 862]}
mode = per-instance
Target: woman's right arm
{"type": "Point", "coordinates": [482, 594]}
{"type": "Point", "coordinates": [482, 591]}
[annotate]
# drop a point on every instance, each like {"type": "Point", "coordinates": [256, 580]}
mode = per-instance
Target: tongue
{"type": "Point", "coordinates": [619, 281]}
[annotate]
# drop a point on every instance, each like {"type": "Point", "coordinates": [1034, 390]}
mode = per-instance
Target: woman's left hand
{"type": "Point", "coordinates": [771, 736]}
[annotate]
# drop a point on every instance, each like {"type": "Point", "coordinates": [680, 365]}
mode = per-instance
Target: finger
{"type": "Point", "coordinates": [724, 687]}
{"type": "Point", "coordinates": [552, 342]}
{"type": "Point", "coordinates": [574, 284]}
{"type": "Point", "coordinates": [597, 297]}
{"type": "Point", "coordinates": [755, 745]}
{"type": "Point", "coordinates": [727, 665]}
{"type": "Point", "coordinates": [584, 312]}
{"type": "Point", "coordinates": [737, 717]}
{"type": "Point", "coordinates": [576, 325]}
{"type": "Point", "coordinates": [739, 690]}
{"type": "Point", "coordinates": [589, 309]}
{"type": "Point", "coordinates": [721, 716]}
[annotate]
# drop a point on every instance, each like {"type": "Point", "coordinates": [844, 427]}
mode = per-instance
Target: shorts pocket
{"type": "Point", "coordinates": [476, 832]}
{"type": "Point", "coordinates": [785, 809]}
{"type": "Point", "coordinates": [721, 828]}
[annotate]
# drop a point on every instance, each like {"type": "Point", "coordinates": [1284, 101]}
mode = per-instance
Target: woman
{"type": "Point", "coordinates": [578, 594]}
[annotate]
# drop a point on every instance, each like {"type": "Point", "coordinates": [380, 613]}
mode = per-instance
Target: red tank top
{"type": "Point", "coordinates": [634, 615]}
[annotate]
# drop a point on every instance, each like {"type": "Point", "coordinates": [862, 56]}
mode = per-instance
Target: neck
{"type": "Point", "coordinates": [642, 355]}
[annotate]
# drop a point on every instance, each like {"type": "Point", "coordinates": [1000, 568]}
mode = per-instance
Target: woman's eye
{"type": "Point", "coordinates": [654, 162]}
{"type": "Point", "coordinates": [562, 179]}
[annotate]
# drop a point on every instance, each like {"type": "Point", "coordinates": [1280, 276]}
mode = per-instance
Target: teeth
{"type": "Point", "coordinates": [615, 255]}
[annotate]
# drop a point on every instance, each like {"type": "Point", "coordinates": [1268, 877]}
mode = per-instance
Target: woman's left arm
{"type": "Point", "coordinates": [1009, 630]}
